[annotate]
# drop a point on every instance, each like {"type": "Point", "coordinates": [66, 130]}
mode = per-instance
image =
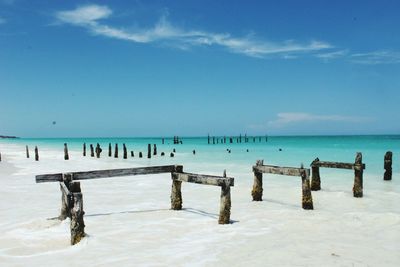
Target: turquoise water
{"type": "Point", "coordinates": [294, 150]}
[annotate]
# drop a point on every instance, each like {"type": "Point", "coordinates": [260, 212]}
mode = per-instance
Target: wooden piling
{"type": "Point", "coordinates": [387, 176]}
{"type": "Point", "coordinates": [109, 150]}
{"type": "Point", "coordinates": [140, 154]}
{"type": "Point", "coordinates": [162, 154]}
{"type": "Point", "coordinates": [225, 203]}
{"type": "Point", "coordinates": [27, 152]}
{"type": "Point", "coordinates": [66, 156]}
{"type": "Point", "coordinates": [0, 157]}
{"type": "Point", "coordinates": [213, 140]}
{"type": "Point", "coordinates": [230, 140]}
{"type": "Point", "coordinates": [125, 151]}
{"type": "Point", "coordinates": [116, 151]}
{"type": "Point", "coordinates": [132, 154]}
{"type": "Point", "coordinates": [91, 150]}
{"type": "Point", "coordinates": [36, 153]}
{"type": "Point", "coordinates": [149, 151]}
{"type": "Point", "coordinates": [315, 178]}
{"type": "Point", "coordinates": [171, 155]}
{"type": "Point", "coordinates": [98, 150]}
{"type": "Point", "coordinates": [307, 202]}
{"type": "Point", "coordinates": [258, 183]}
{"type": "Point", "coordinates": [84, 149]}
{"type": "Point", "coordinates": [176, 194]}
{"type": "Point", "coordinates": [358, 176]}
{"type": "Point", "coordinates": [66, 197]}
{"type": "Point", "coordinates": [162, 141]}
{"type": "Point", "coordinates": [208, 138]}
{"type": "Point", "coordinates": [154, 149]}
{"type": "Point", "coordinates": [77, 224]}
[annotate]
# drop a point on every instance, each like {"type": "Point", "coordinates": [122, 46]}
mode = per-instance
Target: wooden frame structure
{"type": "Point", "coordinates": [357, 166]}
{"type": "Point", "coordinates": [72, 199]}
{"type": "Point", "coordinates": [260, 168]}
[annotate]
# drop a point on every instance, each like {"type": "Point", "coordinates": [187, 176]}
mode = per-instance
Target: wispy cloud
{"type": "Point", "coordinates": [376, 57]}
{"type": "Point", "coordinates": [285, 119]}
{"type": "Point", "coordinates": [89, 17]}
{"type": "Point", "coordinates": [332, 55]}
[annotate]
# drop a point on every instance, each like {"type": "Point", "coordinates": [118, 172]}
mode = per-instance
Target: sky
{"type": "Point", "coordinates": [189, 68]}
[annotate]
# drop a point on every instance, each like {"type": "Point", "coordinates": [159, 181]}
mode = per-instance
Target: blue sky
{"type": "Point", "coordinates": [152, 68]}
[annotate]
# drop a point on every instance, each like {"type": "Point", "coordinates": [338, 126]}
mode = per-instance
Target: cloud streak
{"type": "Point", "coordinates": [285, 119]}
{"type": "Point", "coordinates": [376, 57]}
{"type": "Point", "coordinates": [91, 16]}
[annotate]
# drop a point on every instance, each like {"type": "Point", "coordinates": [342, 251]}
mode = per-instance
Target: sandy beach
{"type": "Point", "coordinates": [129, 221]}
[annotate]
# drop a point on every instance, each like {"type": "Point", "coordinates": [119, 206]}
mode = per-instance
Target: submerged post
{"type": "Point", "coordinates": [84, 149]}
{"type": "Point", "coordinates": [91, 150]}
{"type": "Point", "coordinates": [307, 202]}
{"type": "Point", "coordinates": [257, 186]}
{"type": "Point", "coordinates": [116, 151]}
{"type": "Point", "coordinates": [98, 150]}
{"type": "Point", "coordinates": [176, 194]}
{"type": "Point", "coordinates": [387, 176]}
{"type": "Point", "coordinates": [315, 178]}
{"type": "Point", "coordinates": [358, 176]}
{"type": "Point", "coordinates": [66, 197]}
{"type": "Point", "coordinates": [225, 206]}
{"type": "Point", "coordinates": [36, 154]}
{"type": "Point", "coordinates": [77, 224]}
{"type": "Point", "coordinates": [148, 151]}
{"type": "Point", "coordinates": [66, 156]}
{"type": "Point", "coordinates": [109, 150]}
{"type": "Point", "coordinates": [27, 152]}
{"type": "Point", "coordinates": [125, 151]}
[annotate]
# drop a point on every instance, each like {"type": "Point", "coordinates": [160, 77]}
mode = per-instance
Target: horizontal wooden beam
{"type": "Point", "coordinates": [203, 179]}
{"type": "Point", "coordinates": [280, 170]}
{"type": "Point", "coordinates": [337, 165]}
{"type": "Point", "coordinates": [109, 173]}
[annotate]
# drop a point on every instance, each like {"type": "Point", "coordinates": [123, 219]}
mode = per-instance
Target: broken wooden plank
{"type": "Point", "coordinates": [203, 179]}
{"type": "Point", "coordinates": [57, 177]}
{"type": "Point", "coordinates": [337, 165]}
{"type": "Point", "coordinates": [279, 170]}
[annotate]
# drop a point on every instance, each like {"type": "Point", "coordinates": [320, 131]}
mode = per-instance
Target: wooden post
{"type": "Point", "coordinates": [258, 183]}
{"type": "Point", "coordinates": [125, 151]}
{"type": "Point", "coordinates": [387, 176]}
{"type": "Point", "coordinates": [176, 194]}
{"type": "Point", "coordinates": [27, 152]}
{"type": "Point", "coordinates": [77, 224]}
{"type": "Point", "coordinates": [208, 138]}
{"type": "Point", "coordinates": [66, 199]}
{"type": "Point", "coordinates": [84, 149]}
{"type": "Point", "coordinates": [213, 140]}
{"type": "Point", "coordinates": [66, 156]}
{"type": "Point", "coordinates": [91, 150]}
{"type": "Point", "coordinates": [149, 151]}
{"type": "Point", "coordinates": [132, 154]}
{"type": "Point", "coordinates": [225, 203]}
{"type": "Point", "coordinates": [163, 141]}
{"type": "Point", "coordinates": [116, 151]}
{"type": "Point", "coordinates": [307, 202]}
{"type": "Point", "coordinates": [240, 138]}
{"type": "Point", "coordinates": [315, 178]}
{"type": "Point", "coordinates": [0, 157]}
{"type": "Point", "coordinates": [140, 154]}
{"type": "Point", "coordinates": [109, 150]}
{"type": "Point", "coordinates": [230, 140]}
{"type": "Point", "coordinates": [36, 154]}
{"type": "Point", "coordinates": [358, 176]}
{"type": "Point", "coordinates": [171, 154]}
{"type": "Point", "coordinates": [98, 150]}
{"type": "Point", "coordinates": [154, 149]}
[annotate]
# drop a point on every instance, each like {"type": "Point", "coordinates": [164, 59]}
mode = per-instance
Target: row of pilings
{"type": "Point", "coordinates": [238, 139]}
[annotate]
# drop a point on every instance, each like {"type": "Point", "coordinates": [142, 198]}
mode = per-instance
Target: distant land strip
{"type": "Point", "coordinates": [7, 136]}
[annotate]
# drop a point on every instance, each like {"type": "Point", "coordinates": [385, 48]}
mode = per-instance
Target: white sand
{"type": "Point", "coordinates": [129, 223]}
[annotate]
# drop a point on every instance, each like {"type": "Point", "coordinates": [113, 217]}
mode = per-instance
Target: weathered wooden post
{"type": "Point", "coordinates": [149, 151]}
{"type": "Point", "coordinates": [98, 150]}
{"type": "Point", "coordinates": [132, 154]}
{"type": "Point", "coordinates": [116, 151]}
{"type": "Point", "coordinates": [140, 154]}
{"type": "Point", "coordinates": [66, 156]}
{"type": "Point", "coordinates": [162, 154]}
{"type": "Point", "coordinates": [171, 154]}
{"type": "Point", "coordinates": [258, 183]}
{"type": "Point", "coordinates": [240, 138]}
{"type": "Point", "coordinates": [91, 150]}
{"type": "Point", "coordinates": [27, 152]}
{"type": "Point", "coordinates": [154, 149]}
{"type": "Point", "coordinates": [225, 205]}
{"type": "Point", "coordinates": [315, 178]}
{"type": "Point", "coordinates": [307, 202]}
{"type": "Point", "coordinates": [66, 197]}
{"type": "Point", "coordinates": [109, 150]}
{"type": "Point", "coordinates": [36, 153]}
{"type": "Point", "coordinates": [163, 141]}
{"type": "Point", "coordinates": [176, 194]}
{"type": "Point", "coordinates": [213, 140]}
{"type": "Point", "coordinates": [208, 138]}
{"type": "Point", "coordinates": [125, 151]}
{"type": "Point", "coordinates": [77, 223]}
{"type": "Point", "coordinates": [358, 176]}
{"type": "Point", "coordinates": [387, 176]}
{"type": "Point", "coordinates": [84, 149]}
